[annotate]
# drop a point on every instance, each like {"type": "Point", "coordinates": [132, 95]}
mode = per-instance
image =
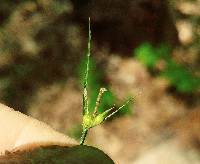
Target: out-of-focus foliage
{"type": "Point", "coordinates": [37, 40]}
{"type": "Point", "coordinates": [150, 55]}
{"type": "Point", "coordinates": [186, 14]}
{"type": "Point", "coordinates": [75, 131]}
{"type": "Point", "coordinates": [43, 40]}
{"type": "Point", "coordinates": [181, 77]}
{"type": "Point", "coordinates": [6, 8]}
{"type": "Point", "coordinates": [178, 75]}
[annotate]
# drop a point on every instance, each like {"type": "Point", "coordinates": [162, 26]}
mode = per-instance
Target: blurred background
{"type": "Point", "coordinates": [147, 49]}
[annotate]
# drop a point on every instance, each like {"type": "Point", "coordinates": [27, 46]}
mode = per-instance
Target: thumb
{"type": "Point", "coordinates": [19, 131]}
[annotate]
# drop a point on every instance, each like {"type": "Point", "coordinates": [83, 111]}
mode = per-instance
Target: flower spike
{"type": "Point", "coordinates": [85, 85]}
{"type": "Point", "coordinates": [93, 119]}
{"type": "Point", "coordinates": [101, 92]}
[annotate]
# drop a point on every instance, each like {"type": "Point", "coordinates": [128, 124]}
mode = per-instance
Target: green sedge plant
{"type": "Point", "coordinates": [92, 117]}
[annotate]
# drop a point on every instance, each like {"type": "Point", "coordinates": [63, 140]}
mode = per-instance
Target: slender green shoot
{"type": "Point", "coordinates": [93, 119]}
{"type": "Point", "coordinates": [84, 134]}
{"type": "Point", "coordinates": [85, 92]}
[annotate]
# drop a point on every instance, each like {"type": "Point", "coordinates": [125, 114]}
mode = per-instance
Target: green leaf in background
{"type": "Point", "coordinates": [178, 75]}
{"type": "Point", "coordinates": [147, 55]}
{"type": "Point", "coordinates": [181, 78]}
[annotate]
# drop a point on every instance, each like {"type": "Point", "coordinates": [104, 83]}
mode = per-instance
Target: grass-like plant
{"type": "Point", "coordinates": [92, 119]}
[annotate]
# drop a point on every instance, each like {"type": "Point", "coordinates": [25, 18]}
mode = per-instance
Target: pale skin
{"type": "Point", "coordinates": [19, 131]}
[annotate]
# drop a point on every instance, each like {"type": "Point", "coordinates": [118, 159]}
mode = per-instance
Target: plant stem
{"type": "Point", "coordinates": [84, 133]}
